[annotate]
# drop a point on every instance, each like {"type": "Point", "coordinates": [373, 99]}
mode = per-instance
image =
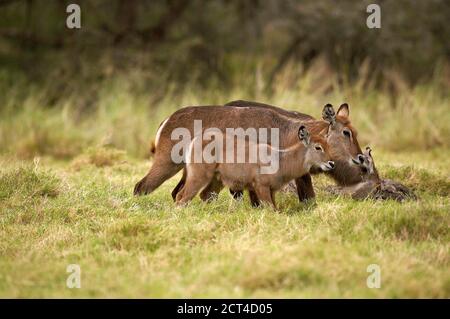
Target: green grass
{"type": "Point", "coordinates": [67, 172]}
{"type": "Point", "coordinates": [54, 213]}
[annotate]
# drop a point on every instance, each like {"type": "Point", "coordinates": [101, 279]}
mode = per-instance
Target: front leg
{"type": "Point", "coordinates": [305, 189]}
{"type": "Point", "coordinates": [264, 194]}
{"type": "Point", "coordinates": [211, 192]}
{"type": "Point", "coordinates": [254, 198]}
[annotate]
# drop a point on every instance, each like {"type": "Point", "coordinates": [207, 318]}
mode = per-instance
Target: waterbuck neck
{"type": "Point", "coordinates": [345, 173]}
{"type": "Point", "coordinates": [292, 162]}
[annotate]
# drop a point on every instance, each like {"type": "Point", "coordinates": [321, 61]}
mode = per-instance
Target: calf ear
{"type": "Point", "coordinates": [344, 110]}
{"type": "Point", "coordinates": [328, 114]}
{"type": "Point", "coordinates": [368, 151]}
{"type": "Point", "coordinates": [303, 135]}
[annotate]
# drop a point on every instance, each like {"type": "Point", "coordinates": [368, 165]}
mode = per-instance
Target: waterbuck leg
{"type": "Point", "coordinates": [254, 198]}
{"type": "Point", "coordinates": [158, 174]}
{"type": "Point", "coordinates": [305, 188]}
{"type": "Point", "coordinates": [192, 187]}
{"type": "Point", "coordinates": [179, 185]}
{"type": "Point", "coordinates": [265, 195]}
{"type": "Point", "coordinates": [212, 190]}
{"type": "Point", "coordinates": [236, 194]}
{"type": "Point", "coordinates": [299, 185]}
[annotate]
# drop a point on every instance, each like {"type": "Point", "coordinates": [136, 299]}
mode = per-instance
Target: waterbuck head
{"type": "Point", "coordinates": [367, 165]}
{"type": "Point", "coordinates": [316, 155]}
{"type": "Point", "coordinates": [342, 143]}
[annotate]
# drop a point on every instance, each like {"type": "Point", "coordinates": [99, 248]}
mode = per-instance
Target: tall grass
{"type": "Point", "coordinates": [397, 117]}
{"type": "Point", "coordinates": [55, 213]}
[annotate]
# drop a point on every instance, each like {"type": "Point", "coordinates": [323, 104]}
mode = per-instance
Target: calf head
{"type": "Point", "coordinates": [316, 154]}
{"type": "Point", "coordinates": [367, 165]}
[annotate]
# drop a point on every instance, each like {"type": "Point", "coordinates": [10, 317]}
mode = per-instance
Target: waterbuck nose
{"type": "Point", "coordinates": [361, 158]}
{"type": "Point", "coordinates": [331, 164]}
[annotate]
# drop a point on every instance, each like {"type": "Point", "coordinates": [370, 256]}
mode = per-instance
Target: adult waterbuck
{"type": "Point", "coordinates": [340, 136]}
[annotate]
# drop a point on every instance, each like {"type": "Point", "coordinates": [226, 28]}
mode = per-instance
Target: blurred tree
{"type": "Point", "coordinates": [210, 41]}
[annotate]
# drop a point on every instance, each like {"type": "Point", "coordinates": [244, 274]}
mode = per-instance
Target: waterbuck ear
{"type": "Point", "coordinates": [344, 110]}
{"type": "Point", "coordinates": [328, 114]}
{"type": "Point", "coordinates": [303, 135]}
{"type": "Point", "coordinates": [368, 151]}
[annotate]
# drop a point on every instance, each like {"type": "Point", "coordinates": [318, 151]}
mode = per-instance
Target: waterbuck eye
{"type": "Point", "coordinates": [318, 148]}
{"type": "Point", "coordinates": [347, 133]}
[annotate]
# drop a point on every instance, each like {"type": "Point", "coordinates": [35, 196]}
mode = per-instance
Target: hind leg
{"type": "Point", "coordinates": [179, 185]}
{"type": "Point", "coordinates": [198, 177]}
{"type": "Point", "coordinates": [158, 174]}
{"type": "Point", "coordinates": [212, 190]}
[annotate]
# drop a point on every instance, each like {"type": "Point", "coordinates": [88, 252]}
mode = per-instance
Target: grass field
{"type": "Point", "coordinates": [55, 213]}
{"type": "Point", "coordinates": [67, 173]}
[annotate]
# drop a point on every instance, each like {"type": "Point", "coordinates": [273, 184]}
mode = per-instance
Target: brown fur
{"type": "Point", "coordinates": [372, 186]}
{"type": "Point", "coordinates": [244, 117]}
{"type": "Point", "coordinates": [220, 117]}
{"type": "Point", "coordinates": [344, 173]}
{"type": "Point", "coordinates": [294, 161]}
{"type": "Point", "coordinates": [152, 148]}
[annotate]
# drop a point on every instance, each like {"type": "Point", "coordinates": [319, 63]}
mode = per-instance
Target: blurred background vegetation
{"type": "Point", "coordinates": [134, 62]}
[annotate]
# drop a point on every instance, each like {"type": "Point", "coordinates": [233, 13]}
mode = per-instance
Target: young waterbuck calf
{"type": "Point", "coordinates": [372, 186]}
{"type": "Point", "coordinates": [294, 161]}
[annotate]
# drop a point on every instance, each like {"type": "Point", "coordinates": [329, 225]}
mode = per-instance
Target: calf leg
{"type": "Point", "coordinates": [198, 177]}
{"type": "Point", "coordinates": [179, 185]}
{"type": "Point", "coordinates": [305, 189]}
{"type": "Point", "coordinates": [265, 195]}
{"type": "Point", "coordinates": [212, 190]}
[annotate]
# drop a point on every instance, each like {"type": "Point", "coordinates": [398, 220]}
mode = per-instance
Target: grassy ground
{"type": "Point", "coordinates": [55, 213]}
{"type": "Point", "coordinates": [75, 206]}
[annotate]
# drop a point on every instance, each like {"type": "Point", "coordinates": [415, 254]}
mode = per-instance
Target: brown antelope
{"type": "Point", "coordinates": [372, 186]}
{"type": "Point", "coordinates": [294, 161]}
{"type": "Point", "coordinates": [340, 135]}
